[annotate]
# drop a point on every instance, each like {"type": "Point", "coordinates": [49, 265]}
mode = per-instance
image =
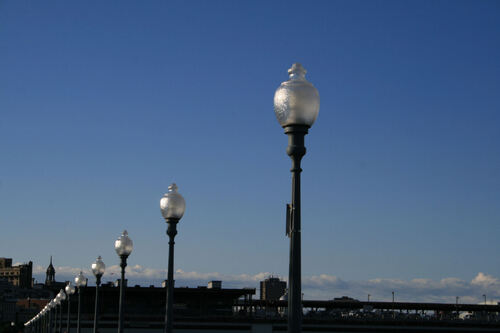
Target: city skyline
{"type": "Point", "coordinates": [322, 287]}
{"type": "Point", "coordinates": [103, 105]}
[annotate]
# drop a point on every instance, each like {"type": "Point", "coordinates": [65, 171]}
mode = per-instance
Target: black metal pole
{"type": "Point", "coordinates": [67, 318]}
{"type": "Point", "coordinates": [169, 313]}
{"type": "Point", "coordinates": [121, 306]}
{"type": "Point", "coordinates": [60, 317]}
{"type": "Point", "coordinates": [78, 329]}
{"type": "Point", "coordinates": [50, 321]}
{"type": "Point", "coordinates": [57, 311]}
{"type": "Point", "coordinates": [54, 320]}
{"type": "Point", "coordinates": [296, 150]}
{"type": "Point", "coordinates": [96, 307]}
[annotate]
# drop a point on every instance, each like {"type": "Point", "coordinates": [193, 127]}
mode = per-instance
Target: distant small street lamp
{"type": "Point", "coordinates": [98, 268]}
{"type": "Point", "coordinates": [43, 319]}
{"type": "Point", "coordinates": [369, 297]}
{"type": "Point", "coordinates": [47, 318]}
{"type": "Point", "coordinates": [484, 295]}
{"type": "Point", "coordinates": [61, 296]}
{"type": "Point", "coordinates": [296, 105]}
{"type": "Point", "coordinates": [54, 315]}
{"type": "Point", "coordinates": [123, 247]}
{"type": "Point", "coordinates": [51, 320]}
{"type": "Point", "coordinates": [172, 206]}
{"type": "Point", "coordinates": [80, 282]}
{"type": "Point", "coordinates": [393, 310]}
{"type": "Point", "coordinates": [70, 290]}
{"type": "Point", "coordinates": [57, 302]}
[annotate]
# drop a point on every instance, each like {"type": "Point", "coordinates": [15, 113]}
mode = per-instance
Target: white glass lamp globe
{"type": "Point", "coordinates": [124, 245]}
{"type": "Point", "coordinates": [70, 289]}
{"type": "Point", "coordinates": [296, 101]}
{"type": "Point", "coordinates": [98, 267]}
{"type": "Point", "coordinates": [80, 280]}
{"type": "Point", "coordinates": [172, 204]}
{"type": "Point", "coordinates": [62, 294]}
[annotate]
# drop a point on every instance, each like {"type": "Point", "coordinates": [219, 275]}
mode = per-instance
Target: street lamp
{"type": "Point", "coordinates": [484, 295]}
{"type": "Point", "coordinates": [70, 290]}
{"type": "Point", "coordinates": [43, 319]}
{"type": "Point", "coordinates": [80, 282]}
{"type": "Point", "coordinates": [296, 105]}
{"type": "Point", "coordinates": [172, 206]}
{"type": "Point", "coordinates": [393, 312]}
{"type": "Point", "coordinates": [123, 247]}
{"type": "Point", "coordinates": [47, 317]}
{"type": "Point", "coordinates": [62, 297]}
{"type": "Point", "coordinates": [57, 302]}
{"type": "Point", "coordinates": [98, 268]}
{"type": "Point", "coordinates": [51, 320]}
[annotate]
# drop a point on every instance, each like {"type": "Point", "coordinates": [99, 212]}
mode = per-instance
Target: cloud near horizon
{"type": "Point", "coordinates": [321, 286]}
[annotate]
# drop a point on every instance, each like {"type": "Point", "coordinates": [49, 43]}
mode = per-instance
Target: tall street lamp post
{"type": "Point", "coordinates": [296, 104]}
{"type": "Point", "coordinates": [123, 247]}
{"type": "Point", "coordinates": [80, 282]}
{"type": "Point", "coordinates": [172, 206]}
{"type": "Point", "coordinates": [98, 268]}
{"type": "Point", "coordinates": [70, 290]}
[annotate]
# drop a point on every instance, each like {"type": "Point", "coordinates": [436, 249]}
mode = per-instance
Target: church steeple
{"type": "Point", "coordinates": [50, 277]}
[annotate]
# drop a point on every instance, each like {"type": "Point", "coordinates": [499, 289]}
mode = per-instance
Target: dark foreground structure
{"type": "Point", "coordinates": [206, 309]}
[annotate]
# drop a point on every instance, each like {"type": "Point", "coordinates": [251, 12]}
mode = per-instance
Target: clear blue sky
{"type": "Point", "coordinates": [104, 103]}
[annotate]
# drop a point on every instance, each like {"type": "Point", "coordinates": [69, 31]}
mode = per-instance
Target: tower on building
{"type": "Point", "coordinates": [50, 277]}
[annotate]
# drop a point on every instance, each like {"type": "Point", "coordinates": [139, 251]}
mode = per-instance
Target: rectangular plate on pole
{"type": "Point", "coordinates": [288, 220]}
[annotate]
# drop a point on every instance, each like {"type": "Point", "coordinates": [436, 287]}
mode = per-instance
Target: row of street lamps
{"type": "Point", "coordinates": [172, 206]}
{"type": "Point", "coordinates": [43, 321]}
{"type": "Point", "coordinates": [296, 106]}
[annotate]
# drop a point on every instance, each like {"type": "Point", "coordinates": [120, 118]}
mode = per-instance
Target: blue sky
{"type": "Point", "coordinates": [104, 104]}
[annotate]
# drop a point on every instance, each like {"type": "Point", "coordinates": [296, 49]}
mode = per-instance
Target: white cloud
{"type": "Point", "coordinates": [486, 281]}
{"type": "Point", "coordinates": [321, 286]}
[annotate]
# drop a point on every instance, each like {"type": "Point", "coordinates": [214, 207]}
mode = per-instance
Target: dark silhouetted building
{"type": "Point", "coordinates": [272, 288]}
{"type": "Point", "coordinates": [19, 276]}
